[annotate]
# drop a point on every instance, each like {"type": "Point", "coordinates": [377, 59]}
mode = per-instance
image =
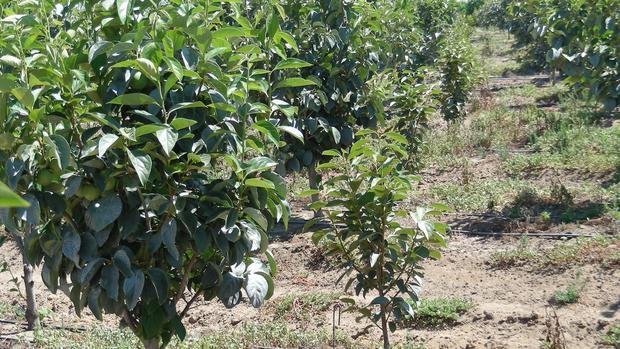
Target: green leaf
{"type": "Point", "coordinates": [91, 268]}
{"type": "Point", "coordinates": [142, 163]}
{"type": "Point", "coordinates": [94, 302]}
{"type": "Point", "coordinates": [134, 99]}
{"type": "Point", "coordinates": [123, 8]}
{"type": "Point", "coordinates": [9, 199]}
{"type": "Point", "coordinates": [259, 183]}
{"type": "Point", "coordinates": [161, 283]}
{"type": "Point", "coordinates": [11, 60]}
{"type": "Point", "coordinates": [259, 164]}
{"type": "Point", "coordinates": [30, 213]}
{"type": "Point", "coordinates": [123, 263]}
{"type": "Point", "coordinates": [148, 68]}
{"type": "Point", "coordinates": [291, 63]}
{"type": "Point", "coordinates": [149, 128]}
{"type": "Point", "coordinates": [330, 152]}
{"type": "Point", "coordinates": [97, 49]}
{"type": "Point", "coordinates": [71, 245]}
{"type": "Point", "coordinates": [186, 105]}
{"type": "Point", "coordinates": [167, 137]}
{"type": "Point", "coordinates": [181, 123]}
{"type": "Point", "coordinates": [25, 97]}
{"type": "Point", "coordinates": [295, 82]}
{"type": "Point", "coordinates": [7, 85]}
{"type": "Point", "coordinates": [109, 281]}
{"type": "Point", "coordinates": [380, 300]}
{"type": "Point", "coordinates": [103, 212]}
{"type": "Point", "coordinates": [293, 132]}
{"type": "Point", "coordinates": [397, 137]}
{"type": "Point", "coordinates": [169, 233]}
{"type": "Point", "coordinates": [257, 216]}
{"type": "Point", "coordinates": [105, 143]}
{"type": "Point", "coordinates": [256, 287]}
{"type": "Point", "coordinates": [60, 147]}
{"type": "Point", "coordinates": [132, 288]}
{"type": "Point", "coordinates": [175, 67]}
{"type": "Point", "coordinates": [271, 132]}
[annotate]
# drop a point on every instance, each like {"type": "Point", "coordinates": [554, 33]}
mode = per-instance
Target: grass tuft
{"type": "Point", "coordinates": [439, 312]}
{"type": "Point", "coordinates": [302, 306]}
{"type": "Point", "coordinates": [612, 337]}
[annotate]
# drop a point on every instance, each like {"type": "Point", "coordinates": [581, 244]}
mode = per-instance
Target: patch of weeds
{"type": "Point", "coordinates": [612, 337]}
{"type": "Point", "coordinates": [572, 292]}
{"type": "Point", "coordinates": [477, 195]}
{"type": "Point", "coordinates": [95, 337]}
{"type": "Point", "coordinates": [273, 334]}
{"type": "Point", "coordinates": [598, 249]}
{"type": "Point", "coordinates": [302, 306]}
{"type": "Point", "coordinates": [438, 312]}
{"type": "Point", "coordinates": [518, 256]}
{"type": "Point", "coordinates": [14, 312]}
{"type": "Point", "coordinates": [601, 249]}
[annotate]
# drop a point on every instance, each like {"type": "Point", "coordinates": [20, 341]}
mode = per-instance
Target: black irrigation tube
{"type": "Point", "coordinates": [565, 235]}
{"type": "Point", "coordinates": [537, 235]}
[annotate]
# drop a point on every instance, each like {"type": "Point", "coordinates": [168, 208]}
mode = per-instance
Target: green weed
{"type": "Point", "coordinates": [304, 305]}
{"type": "Point", "coordinates": [571, 294]}
{"type": "Point", "coordinates": [612, 337]}
{"type": "Point", "coordinates": [439, 312]}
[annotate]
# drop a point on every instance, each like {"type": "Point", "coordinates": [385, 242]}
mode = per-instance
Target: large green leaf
{"type": "Point", "coordinates": [291, 63]}
{"type": "Point", "coordinates": [71, 243]}
{"type": "Point", "coordinates": [256, 286]}
{"type": "Point", "coordinates": [9, 199]}
{"type": "Point", "coordinates": [134, 99]}
{"type": "Point", "coordinates": [293, 132]}
{"type": "Point", "coordinates": [161, 283]}
{"type": "Point", "coordinates": [167, 137]}
{"type": "Point", "coordinates": [60, 148]}
{"type": "Point", "coordinates": [103, 212]}
{"type": "Point", "coordinates": [168, 234]}
{"type": "Point", "coordinates": [259, 183]}
{"type": "Point", "coordinates": [295, 82]}
{"type": "Point", "coordinates": [132, 288]}
{"type": "Point", "coordinates": [105, 143]}
{"type": "Point", "coordinates": [142, 163]}
{"type": "Point", "coordinates": [109, 281]}
{"type": "Point", "coordinates": [124, 8]}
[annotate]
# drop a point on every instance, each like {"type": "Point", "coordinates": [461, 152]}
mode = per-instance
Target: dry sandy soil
{"type": "Point", "coordinates": [509, 311]}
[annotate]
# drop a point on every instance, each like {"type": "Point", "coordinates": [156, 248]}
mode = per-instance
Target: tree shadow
{"type": "Point", "coordinates": [558, 208]}
{"type": "Point", "coordinates": [611, 310]}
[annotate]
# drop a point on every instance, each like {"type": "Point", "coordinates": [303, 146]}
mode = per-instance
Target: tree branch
{"type": "Point", "coordinates": [185, 280]}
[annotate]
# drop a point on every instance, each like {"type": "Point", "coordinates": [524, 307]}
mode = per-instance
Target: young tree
{"type": "Point", "coordinates": [141, 137]}
{"type": "Point", "coordinates": [379, 255]}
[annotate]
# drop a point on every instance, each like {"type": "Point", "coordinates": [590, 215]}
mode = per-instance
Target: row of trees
{"type": "Point", "coordinates": [150, 140]}
{"type": "Point", "coordinates": [580, 38]}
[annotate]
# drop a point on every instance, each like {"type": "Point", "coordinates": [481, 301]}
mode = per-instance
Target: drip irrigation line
{"type": "Point", "coordinates": [538, 235]}
{"type": "Point", "coordinates": [564, 235]}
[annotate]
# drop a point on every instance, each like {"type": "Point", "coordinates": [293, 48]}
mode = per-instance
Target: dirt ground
{"type": "Point", "coordinates": [509, 311]}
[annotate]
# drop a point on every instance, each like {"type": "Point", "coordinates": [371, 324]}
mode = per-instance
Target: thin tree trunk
{"type": "Point", "coordinates": [32, 312]}
{"type": "Point", "coordinates": [151, 343]}
{"type": "Point", "coordinates": [384, 328]}
{"type": "Point", "coordinates": [313, 183]}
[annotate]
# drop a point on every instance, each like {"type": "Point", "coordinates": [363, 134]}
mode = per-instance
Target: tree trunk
{"type": "Point", "coordinates": [32, 313]}
{"type": "Point", "coordinates": [150, 343]}
{"type": "Point", "coordinates": [384, 328]}
{"type": "Point", "coordinates": [313, 183]}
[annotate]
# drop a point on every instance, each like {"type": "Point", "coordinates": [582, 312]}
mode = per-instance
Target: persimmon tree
{"type": "Point", "coordinates": [140, 134]}
{"type": "Point", "coordinates": [379, 254]}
